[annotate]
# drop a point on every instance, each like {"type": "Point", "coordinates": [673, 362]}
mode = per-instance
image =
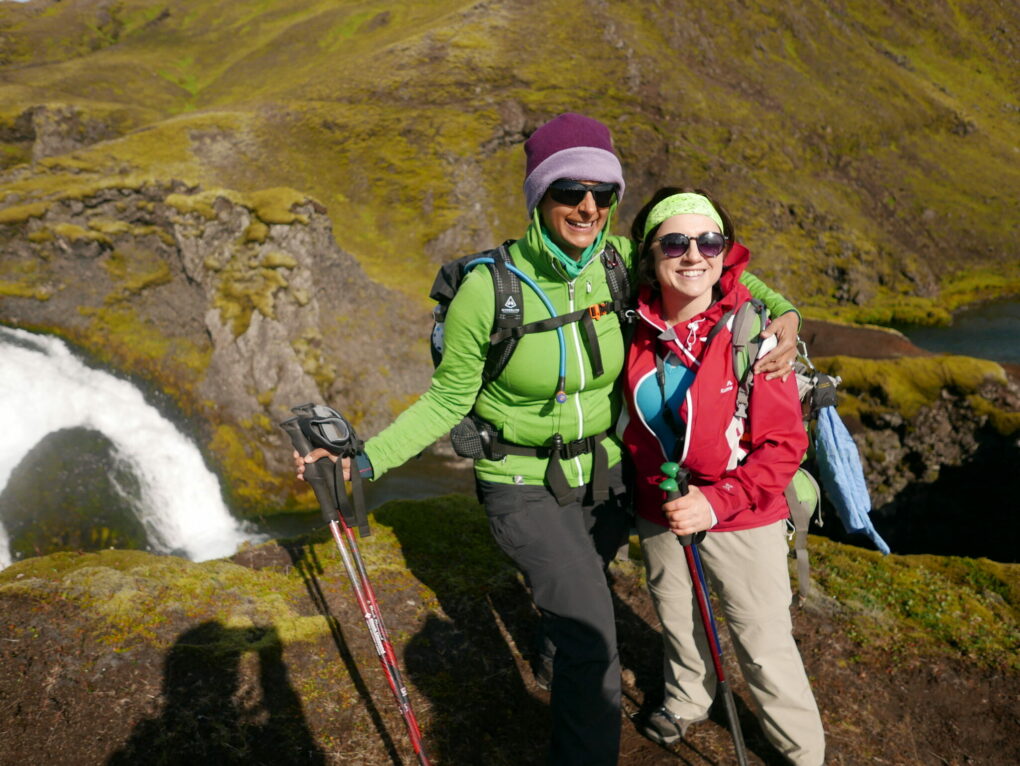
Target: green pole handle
{"type": "Point", "coordinates": [676, 485]}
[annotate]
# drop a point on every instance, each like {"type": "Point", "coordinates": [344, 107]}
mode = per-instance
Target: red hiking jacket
{"type": "Point", "coordinates": [751, 493]}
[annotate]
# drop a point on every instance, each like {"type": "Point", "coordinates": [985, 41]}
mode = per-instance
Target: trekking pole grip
{"type": "Point", "coordinates": [676, 485]}
{"type": "Point", "coordinates": [318, 474]}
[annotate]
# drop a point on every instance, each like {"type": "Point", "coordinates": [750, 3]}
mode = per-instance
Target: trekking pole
{"type": "Point", "coordinates": [676, 486]}
{"type": "Point", "coordinates": [327, 428]}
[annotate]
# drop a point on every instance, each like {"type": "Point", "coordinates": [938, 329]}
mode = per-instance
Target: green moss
{"type": "Point", "coordinates": [276, 260]}
{"type": "Point", "coordinates": [980, 284]}
{"type": "Point", "coordinates": [242, 460]}
{"type": "Point", "coordinates": [243, 289]}
{"type": "Point", "coordinates": [968, 606]}
{"type": "Point", "coordinates": [1005, 423]}
{"type": "Point", "coordinates": [25, 278]}
{"type": "Point", "coordinates": [110, 227]}
{"type": "Point", "coordinates": [275, 205]}
{"type": "Point", "coordinates": [19, 290]}
{"type": "Point", "coordinates": [906, 384]}
{"type": "Point", "coordinates": [256, 232]}
{"type": "Point", "coordinates": [136, 269]}
{"type": "Point", "coordinates": [21, 213]}
{"type": "Point", "coordinates": [74, 233]}
{"type": "Point", "coordinates": [40, 235]}
{"type": "Point", "coordinates": [200, 204]}
{"type": "Point", "coordinates": [308, 349]}
{"type": "Point", "coordinates": [122, 339]}
{"type": "Point", "coordinates": [133, 596]}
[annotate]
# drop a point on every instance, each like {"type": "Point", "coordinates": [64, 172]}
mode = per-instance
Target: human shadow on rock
{"type": "Point", "coordinates": [305, 560]}
{"type": "Point", "coordinates": [218, 710]}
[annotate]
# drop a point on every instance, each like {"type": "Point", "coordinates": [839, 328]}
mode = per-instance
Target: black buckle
{"type": "Point", "coordinates": [575, 448]}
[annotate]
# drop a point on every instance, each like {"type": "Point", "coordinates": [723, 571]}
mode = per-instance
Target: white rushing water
{"type": "Point", "coordinates": [45, 388]}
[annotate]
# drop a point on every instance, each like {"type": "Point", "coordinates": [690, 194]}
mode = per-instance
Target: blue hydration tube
{"type": "Point", "coordinates": [561, 394]}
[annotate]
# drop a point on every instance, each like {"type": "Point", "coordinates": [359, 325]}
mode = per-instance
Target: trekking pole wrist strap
{"type": "Point", "coordinates": [363, 465]}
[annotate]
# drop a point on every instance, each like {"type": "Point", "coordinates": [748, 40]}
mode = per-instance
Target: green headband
{"type": "Point", "coordinates": [679, 204]}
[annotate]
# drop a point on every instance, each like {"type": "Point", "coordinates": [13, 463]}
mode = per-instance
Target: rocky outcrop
{"type": "Point", "coordinates": [938, 440]}
{"type": "Point", "coordinates": [238, 307]}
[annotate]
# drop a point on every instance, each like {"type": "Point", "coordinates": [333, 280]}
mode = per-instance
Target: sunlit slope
{"type": "Point", "coordinates": [867, 150]}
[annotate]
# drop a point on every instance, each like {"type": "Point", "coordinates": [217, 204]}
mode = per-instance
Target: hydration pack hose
{"type": "Point", "coordinates": [561, 394]}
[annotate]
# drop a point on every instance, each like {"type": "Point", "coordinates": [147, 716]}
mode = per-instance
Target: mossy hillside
{"type": "Point", "coordinates": [25, 279]}
{"type": "Point", "coordinates": [904, 385]}
{"type": "Point", "coordinates": [237, 449]}
{"type": "Point", "coordinates": [245, 277]}
{"type": "Point", "coordinates": [925, 604]}
{"type": "Point", "coordinates": [723, 116]}
{"type": "Point", "coordinates": [133, 596]}
{"type": "Point", "coordinates": [439, 554]}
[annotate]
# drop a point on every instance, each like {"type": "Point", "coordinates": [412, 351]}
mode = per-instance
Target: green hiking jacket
{"type": "Point", "coordinates": [520, 402]}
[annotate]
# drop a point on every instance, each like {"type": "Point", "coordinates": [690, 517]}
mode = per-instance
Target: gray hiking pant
{"type": "Point", "coordinates": [563, 552]}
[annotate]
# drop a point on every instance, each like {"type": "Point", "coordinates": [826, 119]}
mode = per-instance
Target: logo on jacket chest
{"type": "Point", "coordinates": [727, 387]}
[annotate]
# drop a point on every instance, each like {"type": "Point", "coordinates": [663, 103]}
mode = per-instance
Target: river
{"type": "Point", "coordinates": [987, 331]}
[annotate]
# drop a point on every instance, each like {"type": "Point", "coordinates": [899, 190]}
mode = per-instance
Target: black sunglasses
{"type": "Point", "coordinates": [568, 192]}
{"type": "Point", "coordinates": [673, 245]}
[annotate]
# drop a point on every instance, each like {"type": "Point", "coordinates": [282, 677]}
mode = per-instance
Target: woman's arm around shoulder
{"type": "Point", "coordinates": [784, 326]}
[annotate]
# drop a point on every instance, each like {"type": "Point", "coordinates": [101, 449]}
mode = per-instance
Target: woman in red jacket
{"type": "Point", "coordinates": [681, 392]}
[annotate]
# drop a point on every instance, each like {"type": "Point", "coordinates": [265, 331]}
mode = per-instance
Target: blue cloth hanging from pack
{"type": "Point", "coordinates": [839, 466]}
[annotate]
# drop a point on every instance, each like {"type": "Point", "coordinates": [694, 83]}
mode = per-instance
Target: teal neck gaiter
{"type": "Point", "coordinates": [572, 267]}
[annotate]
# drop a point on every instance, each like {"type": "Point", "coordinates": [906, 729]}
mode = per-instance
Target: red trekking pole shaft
{"type": "Point", "coordinates": [676, 486]}
{"type": "Point", "coordinates": [347, 544]}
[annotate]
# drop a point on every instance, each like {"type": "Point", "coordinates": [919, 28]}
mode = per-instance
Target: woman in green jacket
{"type": "Point", "coordinates": [554, 491]}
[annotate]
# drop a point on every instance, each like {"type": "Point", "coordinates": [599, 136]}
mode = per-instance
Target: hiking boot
{"type": "Point", "coordinates": [664, 728]}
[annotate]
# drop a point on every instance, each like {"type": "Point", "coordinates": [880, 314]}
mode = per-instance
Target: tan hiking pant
{"type": "Point", "coordinates": [747, 570]}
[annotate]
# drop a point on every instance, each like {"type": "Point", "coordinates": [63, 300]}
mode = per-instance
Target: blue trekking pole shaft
{"type": "Point", "coordinates": [675, 487]}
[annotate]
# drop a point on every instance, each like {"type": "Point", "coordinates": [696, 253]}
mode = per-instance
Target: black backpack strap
{"type": "Point", "coordinates": [558, 450]}
{"type": "Point", "coordinates": [509, 312]}
{"type": "Point", "coordinates": [618, 279]}
{"type": "Point", "coordinates": [718, 327]}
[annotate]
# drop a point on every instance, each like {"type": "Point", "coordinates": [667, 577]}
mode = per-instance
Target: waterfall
{"type": "Point", "coordinates": [44, 388]}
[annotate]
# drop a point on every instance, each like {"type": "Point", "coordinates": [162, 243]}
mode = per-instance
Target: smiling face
{"type": "Point", "coordinates": [686, 282]}
{"type": "Point", "coordinates": [573, 227]}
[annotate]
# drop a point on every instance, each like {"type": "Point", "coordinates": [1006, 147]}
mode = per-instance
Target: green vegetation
{"type": "Point", "coordinates": [130, 595]}
{"type": "Point", "coordinates": [119, 337]}
{"type": "Point", "coordinates": [136, 269]}
{"type": "Point", "coordinates": [907, 384]}
{"type": "Point", "coordinates": [405, 120]}
{"type": "Point", "coordinates": [441, 550]}
{"type": "Point", "coordinates": [927, 604]}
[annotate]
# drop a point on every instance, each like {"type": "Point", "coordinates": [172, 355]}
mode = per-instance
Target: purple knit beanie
{"type": "Point", "coordinates": [569, 146]}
